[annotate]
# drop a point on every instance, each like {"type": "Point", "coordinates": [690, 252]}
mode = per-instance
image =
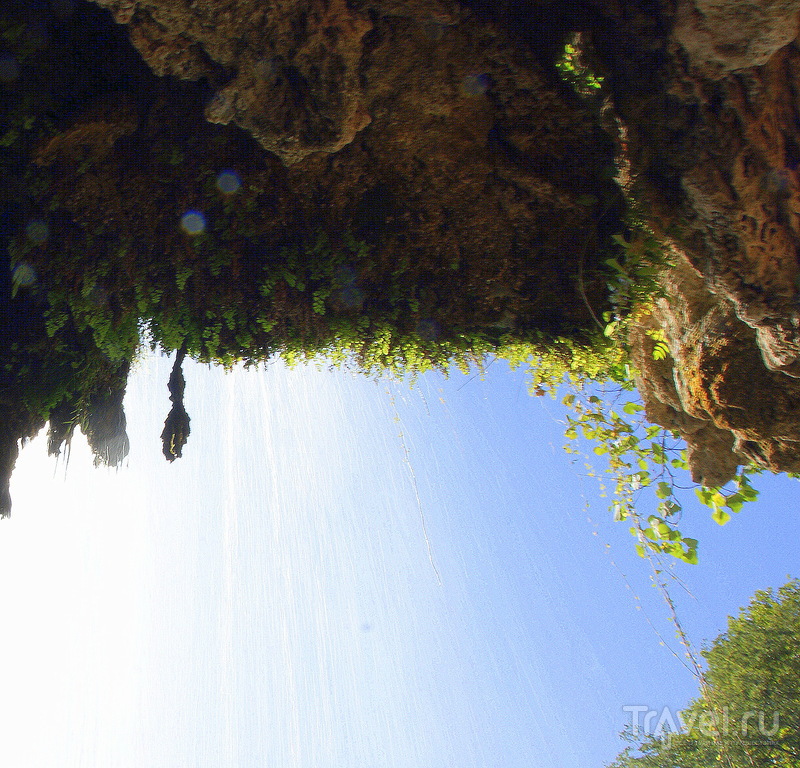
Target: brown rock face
{"type": "Point", "coordinates": [438, 133]}
{"type": "Point", "coordinates": [712, 134]}
{"type": "Point", "coordinates": [291, 68]}
{"type": "Point", "coordinates": [422, 127]}
{"type": "Point", "coordinates": [714, 388]}
{"type": "Point", "coordinates": [735, 34]}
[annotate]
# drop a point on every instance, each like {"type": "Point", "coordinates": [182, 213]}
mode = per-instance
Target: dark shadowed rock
{"type": "Point", "coordinates": [176, 426]}
{"type": "Point", "coordinates": [709, 100]}
{"type": "Point", "coordinates": [104, 425]}
{"type": "Point", "coordinates": [9, 450]}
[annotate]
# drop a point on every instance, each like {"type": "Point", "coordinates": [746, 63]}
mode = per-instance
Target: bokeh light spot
{"type": "Point", "coordinates": [228, 182]}
{"type": "Point", "coordinates": [24, 275]}
{"type": "Point", "coordinates": [37, 231]}
{"type": "Point", "coordinates": [193, 223]}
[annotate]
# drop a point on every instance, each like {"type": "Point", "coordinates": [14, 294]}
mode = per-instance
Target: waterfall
{"type": "Point", "coordinates": [270, 597]}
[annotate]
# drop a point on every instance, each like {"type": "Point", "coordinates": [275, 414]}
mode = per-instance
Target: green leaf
{"type": "Point", "coordinates": [720, 516]}
{"type": "Point", "coordinates": [660, 351]}
{"type": "Point", "coordinates": [705, 495]}
{"type": "Point", "coordinates": [735, 502]}
{"type": "Point", "coordinates": [690, 556]}
{"type": "Point", "coordinates": [658, 453]}
{"type": "Point", "coordinates": [631, 408]}
{"type": "Point", "coordinates": [747, 492]}
{"type": "Point", "coordinates": [619, 240]}
{"type": "Point", "coordinates": [669, 508]}
{"type": "Point", "coordinates": [664, 490]}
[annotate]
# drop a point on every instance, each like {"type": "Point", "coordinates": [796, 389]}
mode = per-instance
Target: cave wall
{"type": "Point", "coordinates": [708, 98]}
{"type": "Point", "coordinates": [425, 127]}
{"type": "Point", "coordinates": [439, 133]}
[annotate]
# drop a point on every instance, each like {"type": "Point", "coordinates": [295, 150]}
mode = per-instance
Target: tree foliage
{"type": "Point", "coordinates": [748, 715]}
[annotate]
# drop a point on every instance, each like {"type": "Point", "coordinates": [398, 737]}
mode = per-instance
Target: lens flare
{"type": "Point", "coordinates": [193, 223]}
{"type": "Point", "coordinates": [24, 275]}
{"type": "Point", "coordinates": [228, 182]}
{"type": "Point", "coordinates": [37, 231]}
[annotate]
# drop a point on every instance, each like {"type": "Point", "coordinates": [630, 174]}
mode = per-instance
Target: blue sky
{"type": "Point", "coordinates": [307, 587]}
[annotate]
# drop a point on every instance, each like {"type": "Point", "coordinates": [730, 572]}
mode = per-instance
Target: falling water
{"type": "Point", "coordinates": [339, 572]}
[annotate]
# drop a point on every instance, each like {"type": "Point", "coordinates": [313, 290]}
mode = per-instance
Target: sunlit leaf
{"type": "Point", "coordinates": [664, 490]}
{"type": "Point", "coordinates": [632, 407]}
{"type": "Point", "coordinates": [720, 516]}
